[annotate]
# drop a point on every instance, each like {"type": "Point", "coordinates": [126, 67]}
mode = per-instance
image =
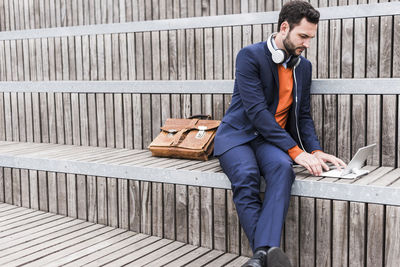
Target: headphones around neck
{"type": "Point", "coordinates": [279, 55]}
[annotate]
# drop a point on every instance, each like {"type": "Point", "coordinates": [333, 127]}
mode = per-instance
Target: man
{"type": "Point", "coordinates": [267, 127]}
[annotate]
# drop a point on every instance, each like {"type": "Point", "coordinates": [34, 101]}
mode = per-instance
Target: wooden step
{"type": "Point", "coordinates": [54, 240]}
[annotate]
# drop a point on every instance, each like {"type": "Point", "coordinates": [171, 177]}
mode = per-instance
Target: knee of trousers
{"type": "Point", "coordinates": [279, 173]}
{"type": "Point", "coordinates": [278, 165]}
{"type": "Point", "coordinates": [245, 185]}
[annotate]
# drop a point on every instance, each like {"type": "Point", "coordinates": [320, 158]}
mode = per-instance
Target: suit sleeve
{"type": "Point", "coordinates": [306, 123]}
{"type": "Point", "coordinates": [255, 104]}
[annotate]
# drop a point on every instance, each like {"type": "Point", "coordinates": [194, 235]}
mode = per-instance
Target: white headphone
{"type": "Point", "coordinates": [279, 55]}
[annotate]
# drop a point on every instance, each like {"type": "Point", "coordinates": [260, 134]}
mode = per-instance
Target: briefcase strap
{"type": "Point", "coordinates": [179, 136]}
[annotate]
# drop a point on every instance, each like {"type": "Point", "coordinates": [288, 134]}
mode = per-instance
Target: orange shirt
{"type": "Point", "coordinates": [285, 102]}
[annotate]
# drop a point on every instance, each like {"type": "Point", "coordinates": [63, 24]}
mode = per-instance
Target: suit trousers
{"type": "Point", "coordinates": [244, 165]}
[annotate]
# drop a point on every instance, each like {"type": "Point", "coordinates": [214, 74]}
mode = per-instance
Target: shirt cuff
{"type": "Point", "coordinates": [316, 151]}
{"type": "Point", "coordinates": [294, 152]}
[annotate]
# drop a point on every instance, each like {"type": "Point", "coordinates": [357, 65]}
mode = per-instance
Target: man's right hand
{"type": "Point", "coordinates": [311, 163]}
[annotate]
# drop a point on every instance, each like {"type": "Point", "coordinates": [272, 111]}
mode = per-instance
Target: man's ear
{"type": "Point", "coordinates": [284, 28]}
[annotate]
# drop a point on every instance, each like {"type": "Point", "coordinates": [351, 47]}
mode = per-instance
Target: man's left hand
{"type": "Point", "coordinates": [324, 157]}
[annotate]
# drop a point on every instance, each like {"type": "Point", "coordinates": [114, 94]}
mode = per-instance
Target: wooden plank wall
{"type": "Point", "coordinates": [133, 120]}
{"type": "Point", "coordinates": [318, 232]}
{"type": "Point", "coordinates": [21, 15]}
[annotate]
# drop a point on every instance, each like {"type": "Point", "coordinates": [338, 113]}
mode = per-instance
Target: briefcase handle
{"type": "Point", "coordinates": [201, 116]}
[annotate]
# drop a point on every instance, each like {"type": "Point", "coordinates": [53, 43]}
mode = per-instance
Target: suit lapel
{"type": "Point", "coordinates": [272, 65]}
{"type": "Point", "coordinates": [299, 79]}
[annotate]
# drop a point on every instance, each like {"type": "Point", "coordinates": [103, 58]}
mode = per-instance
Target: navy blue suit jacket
{"type": "Point", "coordinates": [255, 100]}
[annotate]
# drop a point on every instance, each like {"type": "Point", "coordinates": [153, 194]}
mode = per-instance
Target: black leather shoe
{"type": "Point", "coordinates": [277, 258]}
{"type": "Point", "coordinates": [274, 257]}
{"type": "Point", "coordinates": [259, 259]}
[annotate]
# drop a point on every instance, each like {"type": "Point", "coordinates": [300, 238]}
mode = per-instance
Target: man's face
{"type": "Point", "coordinates": [298, 38]}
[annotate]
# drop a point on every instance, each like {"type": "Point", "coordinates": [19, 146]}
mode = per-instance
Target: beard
{"type": "Point", "coordinates": [290, 47]}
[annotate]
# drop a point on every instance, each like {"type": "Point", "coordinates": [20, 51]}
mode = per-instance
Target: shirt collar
{"type": "Point", "coordinates": [284, 64]}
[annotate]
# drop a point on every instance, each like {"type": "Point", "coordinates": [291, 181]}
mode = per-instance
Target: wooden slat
{"type": "Point", "coordinates": [8, 116]}
{"type": "Point", "coordinates": [137, 121]}
{"type": "Point", "coordinates": [52, 191]}
{"type": "Point", "coordinates": [307, 238]}
{"type": "Point", "coordinates": [373, 175]}
{"type": "Point", "coordinates": [123, 204]}
{"type": "Point", "coordinates": [181, 209]}
{"type": "Point", "coordinates": [25, 190]}
{"type": "Point", "coordinates": [375, 225]}
{"type": "Point", "coordinates": [81, 197]}
{"type": "Point", "coordinates": [72, 196]}
{"type": "Point", "coordinates": [340, 237]}
{"type": "Point", "coordinates": [374, 102]}
{"type": "Point", "coordinates": [134, 211]}
{"type": "Point", "coordinates": [169, 211]}
{"type": "Point", "coordinates": [233, 227]}
{"type": "Point", "coordinates": [145, 195]}
{"type": "Point", "coordinates": [388, 178]}
{"type": "Point", "coordinates": [42, 233]}
{"type": "Point", "coordinates": [221, 261]}
{"type": "Point", "coordinates": [112, 202]}
{"type": "Point", "coordinates": [392, 226]}
{"type": "Point", "coordinates": [139, 253]}
{"type": "Point", "coordinates": [396, 73]}
{"type": "Point", "coordinates": [97, 241]}
{"type": "Point", "coordinates": [207, 219]}
{"type": "Point", "coordinates": [189, 257]}
{"type": "Point", "coordinates": [388, 140]}
{"type": "Point", "coordinates": [54, 245]}
{"type": "Point", "coordinates": [137, 246]}
{"type": "Point", "coordinates": [323, 232]}
{"type": "Point", "coordinates": [6, 207]}
{"type": "Point", "coordinates": [91, 199]}
{"type": "Point", "coordinates": [108, 98]}
{"type": "Point", "coordinates": [292, 232]}
{"type": "Point", "coordinates": [127, 239]}
{"type": "Point", "coordinates": [344, 101]}
{"type": "Point", "coordinates": [16, 187]}
{"type": "Point", "coordinates": [157, 210]}
{"type": "Point", "coordinates": [194, 215]}
{"type": "Point", "coordinates": [13, 214]}
{"type": "Point", "coordinates": [240, 261]}
{"type": "Point", "coordinates": [220, 220]}
{"type": "Point", "coordinates": [207, 258]}
{"type": "Point", "coordinates": [43, 191]}
{"type": "Point", "coordinates": [62, 193]}
{"type": "Point", "coordinates": [33, 189]}
{"type": "Point", "coordinates": [172, 256]}
{"type": "Point", "coordinates": [102, 200]}
{"type": "Point", "coordinates": [357, 235]}
{"type": "Point", "coordinates": [18, 226]}
{"type": "Point", "coordinates": [156, 254]}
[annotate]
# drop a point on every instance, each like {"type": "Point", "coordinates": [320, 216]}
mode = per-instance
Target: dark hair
{"type": "Point", "coordinates": [293, 12]}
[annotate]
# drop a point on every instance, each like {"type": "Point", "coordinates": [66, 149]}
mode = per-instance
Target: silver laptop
{"type": "Point", "coordinates": [353, 169]}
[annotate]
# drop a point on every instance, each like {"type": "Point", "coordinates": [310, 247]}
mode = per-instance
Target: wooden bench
{"type": "Point", "coordinates": [182, 199]}
{"type": "Point", "coordinates": [381, 186]}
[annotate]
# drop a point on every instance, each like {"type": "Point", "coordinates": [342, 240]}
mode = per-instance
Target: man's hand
{"type": "Point", "coordinates": [314, 163]}
{"type": "Point", "coordinates": [311, 163]}
{"type": "Point", "coordinates": [330, 158]}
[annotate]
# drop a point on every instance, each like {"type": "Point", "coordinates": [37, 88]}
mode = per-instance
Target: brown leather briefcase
{"type": "Point", "coordinates": [191, 138]}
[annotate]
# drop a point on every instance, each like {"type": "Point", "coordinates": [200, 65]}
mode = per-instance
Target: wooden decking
{"type": "Point", "coordinates": [36, 238]}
